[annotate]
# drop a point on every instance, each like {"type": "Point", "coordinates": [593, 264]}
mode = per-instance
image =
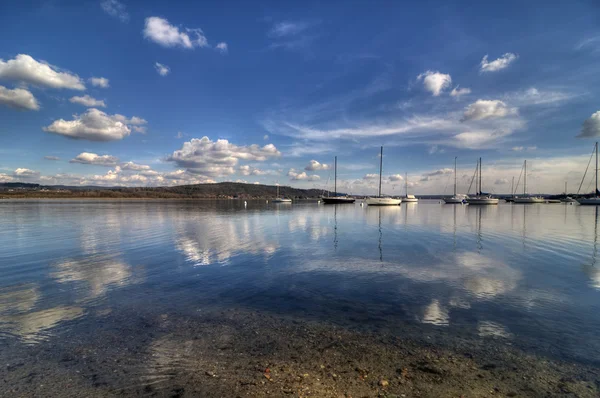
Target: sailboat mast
{"type": "Point", "coordinates": [380, 168]}
{"type": "Point", "coordinates": [525, 180]}
{"type": "Point", "coordinates": [596, 168]}
{"type": "Point", "coordinates": [455, 176]}
{"type": "Point", "coordinates": [565, 188]}
{"type": "Point", "coordinates": [406, 183]}
{"type": "Point", "coordinates": [480, 187]}
{"type": "Point", "coordinates": [335, 177]}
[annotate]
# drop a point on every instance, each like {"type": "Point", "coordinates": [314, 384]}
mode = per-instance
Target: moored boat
{"type": "Point", "coordinates": [456, 198]}
{"type": "Point", "coordinates": [595, 200]}
{"type": "Point", "coordinates": [336, 199]}
{"type": "Point", "coordinates": [382, 200]}
{"type": "Point", "coordinates": [482, 198]}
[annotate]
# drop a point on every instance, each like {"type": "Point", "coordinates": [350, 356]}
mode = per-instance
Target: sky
{"type": "Point", "coordinates": [156, 93]}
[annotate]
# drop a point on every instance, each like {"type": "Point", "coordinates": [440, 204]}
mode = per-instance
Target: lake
{"type": "Point", "coordinates": [176, 298]}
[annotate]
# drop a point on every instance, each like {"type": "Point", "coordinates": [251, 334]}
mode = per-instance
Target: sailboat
{"type": "Point", "coordinates": [456, 198]}
{"type": "Point", "coordinates": [525, 199]}
{"type": "Point", "coordinates": [512, 191]}
{"type": "Point", "coordinates": [596, 199]}
{"type": "Point", "coordinates": [335, 198]}
{"type": "Point", "coordinates": [481, 198]}
{"type": "Point", "coordinates": [408, 198]}
{"type": "Point", "coordinates": [279, 199]}
{"type": "Point", "coordinates": [382, 200]}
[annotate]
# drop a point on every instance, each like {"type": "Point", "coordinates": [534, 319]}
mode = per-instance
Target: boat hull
{"type": "Point", "coordinates": [337, 200]}
{"type": "Point", "coordinates": [281, 201]}
{"type": "Point", "coordinates": [410, 200]}
{"type": "Point", "coordinates": [529, 200]}
{"type": "Point", "coordinates": [454, 201]}
{"type": "Point", "coordinates": [383, 201]}
{"type": "Point", "coordinates": [589, 201]}
{"type": "Point", "coordinates": [482, 201]}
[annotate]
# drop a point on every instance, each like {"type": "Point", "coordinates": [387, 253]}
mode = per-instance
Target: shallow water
{"type": "Point", "coordinates": [525, 274]}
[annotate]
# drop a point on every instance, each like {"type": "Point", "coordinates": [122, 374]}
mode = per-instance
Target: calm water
{"type": "Point", "coordinates": [525, 274]}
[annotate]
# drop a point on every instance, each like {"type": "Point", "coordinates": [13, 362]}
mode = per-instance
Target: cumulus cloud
{"type": "Point", "coordinates": [5, 178]}
{"type": "Point", "coordinates": [92, 158]}
{"type": "Point", "coordinates": [25, 173]}
{"type": "Point", "coordinates": [435, 82]}
{"type": "Point", "coordinates": [395, 177]}
{"type": "Point", "coordinates": [522, 148]}
{"type": "Point", "coordinates": [294, 175]}
{"type": "Point", "coordinates": [162, 70]}
{"type": "Point", "coordinates": [18, 98]}
{"type": "Point", "coordinates": [313, 165]}
{"type": "Point", "coordinates": [458, 92]}
{"type": "Point", "coordinates": [160, 31]}
{"type": "Point", "coordinates": [371, 176]}
{"type": "Point", "coordinates": [486, 109]}
{"type": "Point", "coordinates": [51, 158]}
{"type": "Point", "coordinates": [218, 158]}
{"type": "Point", "coordinates": [249, 170]}
{"type": "Point", "coordinates": [134, 166]}
{"type": "Point", "coordinates": [115, 9]}
{"type": "Point", "coordinates": [498, 64]}
{"type": "Point", "coordinates": [25, 69]}
{"type": "Point", "coordinates": [95, 125]}
{"type": "Point", "coordinates": [591, 127]}
{"type": "Point", "coordinates": [88, 101]}
{"type": "Point", "coordinates": [222, 48]}
{"type": "Point", "coordinates": [101, 82]}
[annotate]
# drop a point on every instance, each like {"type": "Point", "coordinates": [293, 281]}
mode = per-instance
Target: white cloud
{"type": "Point", "coordinates": [533, 96]}
{"type": "Point", "coordinates": [265, 137]}
{"type": "Point", "coordinates": [51, 158]}
{"type": "Point", "coordinates": [486, 109]}
{"type": "Point", "coordinates": [371, 176]}
{"type": "Point", "coordinates": [313, 165]}
{"type": "Point", "coordinates": [18, 98]}
{"type": "Point", "coordinates": [222, 48]}
{"type": "Point", "coordinates": [25, 173]}
{"type": "Point", "coordinates": [501, 181]}
{"type": "Point", "coordinates": [5, 178]}
{"type": "Point", "coordinates": [287, 28]}
{"type": "Point", "coordinates": [115, 9]}
{"type": "Point", "coordinates": [88, 101]}
{"type": "Point", "coordinates": [249, 170]}
{"type": "Point", "coordinates": [591, 126]}
{"type": "Point", "coordinates": [218, 158]}
{"type": "Point", "coordinates": [95, 125]}
{"type": "Point", "coordinates": [162, 70]}
{"type": "Point", "coordinates": [395, 177]}
{"type": "Point", "coordinates": [435, 82]}
{"type": "Point", "coordinates": [101, 82]}
{"type": "Point", "coordinates": [26, 69]}
{"type": "Point", "coordinates": [295, 176]}
{"type": "Point", "coordinates": [134, 166]}
{"type": "Point", "coordinates": [160, 31]}
{"type": "Point", "coordinates": [458, 92]}
{"type": "Point", "coordinates": [498, 64]}
{"type": "Point", "coordinates": [522, 148]}
{"type": "Point", "coordinates": [439, 172]}
{"type": "Point", "coordinates": [92, 158]}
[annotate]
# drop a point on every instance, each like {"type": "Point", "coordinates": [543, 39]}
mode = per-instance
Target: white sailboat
{"type": "Point", "coordinates": [525, 199]}
{"type": "Point", "coordinates": [481, 198]}
{"type": "Point", "coordinates": [456, 198]}
{"type": "Point", "coordinates": [335, 199]}
{"type": "Point", "coordinates": [408, 198]}
{"type": "Point", "coordinates": [382, 200]}
{"type": "Point", "coordinates": [595, 200]}
{"type": "Point", "coordinates": [279, 199]}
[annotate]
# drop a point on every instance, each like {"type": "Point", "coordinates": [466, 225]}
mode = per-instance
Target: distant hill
{"type": "Point", "coordinates": [217, 190]}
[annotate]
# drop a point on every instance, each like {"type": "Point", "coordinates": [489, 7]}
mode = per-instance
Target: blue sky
{"type": "Point", "coordinates": [279, 88]}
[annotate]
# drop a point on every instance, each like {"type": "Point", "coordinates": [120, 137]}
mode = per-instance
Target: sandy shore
{"type": "Point", "coordinates": [239, 353]}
